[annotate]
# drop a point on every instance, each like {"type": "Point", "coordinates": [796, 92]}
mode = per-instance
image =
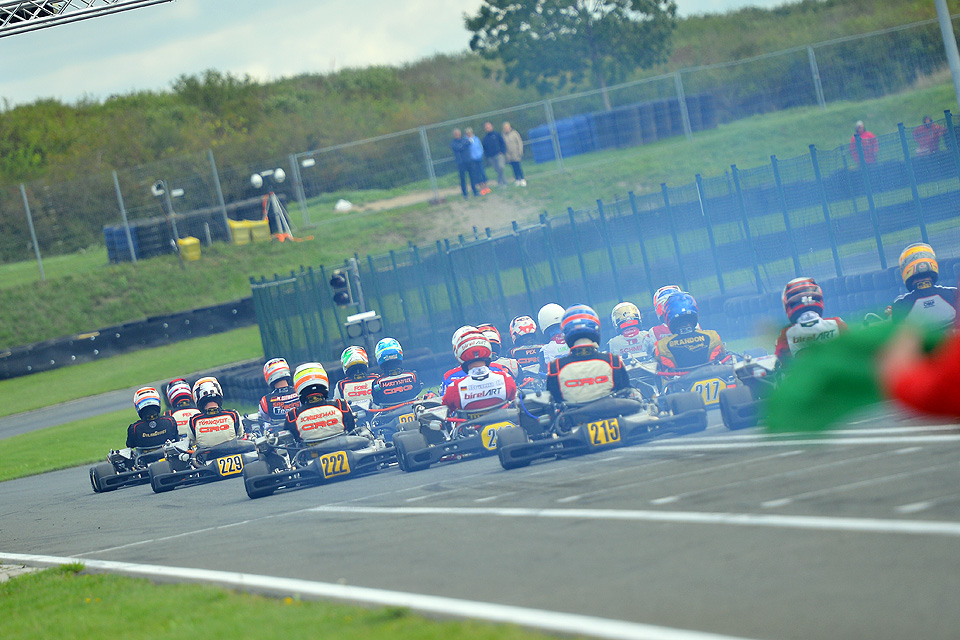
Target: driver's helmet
{"type": "Point", "coordinates": [310, 378]}
{"type": "Point", "coordinates": [492, 334]}
{"type": "Point", "coordinates": [354, 356]}
{"type": "Point", "coordinates": [680, 312]}
{"type": "Point", "coordinates": [660, 297]}
{"type": "Point", "coordinates": [580, 321]}
{"type": "Point", "coordinates": [918, 261]}
{"type": "Point", "coordinates": [275, 370]}
{"type": "Point", "coordinates": [625, 315]}
{"type": "Point", "coordinates": [549, 315]}
{"type": "Point", "coordinates": [388, 351]}
{"type": "Point", "coordinates": [522, 326]}
{"type": "Point", "coordinates": [146, 401]}
{"type": "Point", "coordinates": [802, 295]}
{"type": "Point", "coordinates": [207, 389]}
{"type": "Point", "coordinates": [472, 345]}
{"type": "Point", "coordinates": [178, 392]}
{"type": "Point", "coordinates": [467, 328]}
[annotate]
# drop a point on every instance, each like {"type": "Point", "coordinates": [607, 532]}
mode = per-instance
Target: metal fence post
{"type": "Point", "coordinates": [496, 272]}
{"type": "Point", "coordinates": [400, 292]}
{"type": "Point", "coordinates": [952, 133]}
{"type": "Point", "coordinates": [548, 241]}
{"type": "Point", "coordinates": [33, 232]}
{"type": "Point", "coordinates": [446, 280]}
{"type": "Point", "coordinates": [306, 318]}
{"type": "Point", "coordinates": [123, 214]}
{"type": "Point", "coordinates": [220, 202]}
{"type": "Point", "coordinates": [523, 263]}
{"type": "Point", "coordinates": [826, 210]}
{"type": "Point", "coordinates": [552, 124]}
{"type": "Point", "coordinates": [865, 171]}
{"type": "Point", "coordinates": [609, 243]}
{"type": "Point", "coordinates": [428, 158]}
{"type": "Point", "coordinates": [673, 232]}
{"type": "Point", "coordinates": [682, 99]}
{"type": "Point", "coordinates": [914, 189]}
{"type": "Point", "coordinates": [376, 291]}
{"type": "Point", "coordinates": [336, 312]}
{"type": "Point", "coordinates": [318, 302]}
{"type": "Point", "coordinates": [453, 281]}
{"type": "Point", "coordinates": [298, 190]}
{"type": "Point", "coordinates": [643, 247]}
{"type": "Point", "coordinates": [815, 72]}
{"type": "Point", "coordinates": [427, 303]}
{"type": "Point", "coordinates": [782, 197]}
{"type": "Point", "coordinates": [583, 265]}
{"type": "Point", "coordinates": [746, 227]}
{"type": "Point", "coordinates": [713, 242]}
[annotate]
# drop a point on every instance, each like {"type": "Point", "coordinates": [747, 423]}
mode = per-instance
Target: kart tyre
{"type": "Point", "coordinates": [253, 470]}
{"type": "Point", "coordinates": [509, 436]}
{"type": "Point", "coordinates": [688, 401]}
{"type": "Point", "coordinates": [732, 398]}
{"type": "Point", "coordinates": [159, 468]}
{"type": "Point", "coordinates": [407, 442]}
{"type": "Point", "coordinates": [99, 471]}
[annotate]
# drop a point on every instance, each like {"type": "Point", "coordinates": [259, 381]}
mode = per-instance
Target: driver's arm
{"type": "Point", "coordinates": [621, 379]}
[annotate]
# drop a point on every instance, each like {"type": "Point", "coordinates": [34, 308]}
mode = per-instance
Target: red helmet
{"type": "Point", "coordinates": [472, 345]}
{"type": "Point", "coordinates": [492, 334]}
{"type": "Point", "coordinates": [802, 294]}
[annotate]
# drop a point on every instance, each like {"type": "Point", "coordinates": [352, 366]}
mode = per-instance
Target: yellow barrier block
{"type": "Point", "coordinates": [240, 229]}
{"type": "Point", "coordinates": [259, 230]}
{"type": "Point", "coordinates": [189, 248]}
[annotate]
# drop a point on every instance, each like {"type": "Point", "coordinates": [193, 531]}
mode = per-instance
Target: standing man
{"type": "Point", "coordinates": [871, 146]}
{"type": "Point", "coordinates": [494, 148]}
{"type": "Point", "coordinates": [477, 172]}
{"type": "Point", "coordinates": [513, 153]}
{"type": "Point", "coordinates": [461, 155]}
{"type": "Point", "coordinates": [928, 137]}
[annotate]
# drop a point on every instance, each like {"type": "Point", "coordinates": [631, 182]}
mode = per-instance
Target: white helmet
{"type": "Point", "coordinates": [276, 369]}
{"type": "Point", "coordinates": [459, 332]}
{"type": "Point", "coordinates": [549, 315]}
{"type": "Point", "coordinates": [206, 389]}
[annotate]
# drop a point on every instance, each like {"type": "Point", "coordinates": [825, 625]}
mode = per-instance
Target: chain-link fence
{"type": "Point", "coordinates": [840, 215]}
{"type": "Point", "coordinates": [131, 218]}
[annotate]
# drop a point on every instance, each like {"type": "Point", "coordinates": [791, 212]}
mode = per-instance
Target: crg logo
{"type": "Point", "coordinates": [318, 419]}
{"type": "Point", "coordinates": [584, 382]}
{"type": "Point", "coordinates": [391, 390]}
{"type": "Point", "coordinates": [214, 425]}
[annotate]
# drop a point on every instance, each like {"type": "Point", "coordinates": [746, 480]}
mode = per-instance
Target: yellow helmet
{"type": "Point", "coordinates": [918, 261]}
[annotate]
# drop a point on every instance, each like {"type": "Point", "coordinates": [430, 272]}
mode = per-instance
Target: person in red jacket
{"type": "Point", "coordinates": [871, 146]}
{"type": "Point", "coordinates": [803, 303]}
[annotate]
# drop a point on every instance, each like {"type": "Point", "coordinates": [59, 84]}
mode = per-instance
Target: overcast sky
{"type": "Point", "coordinates": [146, 49]}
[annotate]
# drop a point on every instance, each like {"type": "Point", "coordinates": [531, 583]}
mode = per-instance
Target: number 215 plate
{"type": "Point", "coordinates": [603, 432]}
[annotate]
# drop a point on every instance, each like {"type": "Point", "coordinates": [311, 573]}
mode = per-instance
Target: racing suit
{"type": "Point", "coordinates": [396, 387]}
{"type": "Point", "coordinates": [316, 421]}
{"type": "Point", "coordinates": [629, 344]}
{"type": "Point", "coordinates": [809, 328]}
{"type": "Point", "coordinates": [274, 407]}
{"type": "Point", "coordinates": [182, 417]}
{"type": "Point", "coordinates": [357, 390]}
{"type": "Point", "coordinates": [210, 428]}
{"type": "Point", "coordinates": [677, 352]}
{"type": "Point", "coordinates": [934, 306]}
{"type": "Point", "coordinates": [528, 357]}
{"type": "Point", "coordinates": [479, 391]}
{"type": "Point", "coordinates": [555, 348]}
{"type": "Point", "coordinates": [587, 375]}
{"type": "Point", "coordinates": [150, 434]}
{"type": "Point", "coordinates": [457, 372]}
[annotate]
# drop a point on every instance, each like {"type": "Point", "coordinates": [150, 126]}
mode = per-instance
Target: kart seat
{"type": "Point", "coordinates": [340, 442]}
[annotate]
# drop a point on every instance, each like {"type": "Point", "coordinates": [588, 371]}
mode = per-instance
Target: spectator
{"type": "Point", "coordinates": [928, 137]}
{"type": "Point", "coordinates": [871, 146]}
{"type": "Point", "coordinates": [513, 144]}
{"type": "Point", "coordinates": [494, 148]}
{"type": "Point", "coordinates": [461, 155]}
{"type": "Point", "coordinates": [477, 172]}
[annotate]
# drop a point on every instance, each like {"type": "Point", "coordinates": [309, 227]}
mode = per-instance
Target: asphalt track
{"type": "Point", "coordinates": [64, 412]}
{"type": "Point", "coordinates": [849, 535]}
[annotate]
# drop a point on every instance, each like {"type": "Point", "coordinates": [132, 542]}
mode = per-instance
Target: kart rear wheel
{"type": "Point", "coordinates": [509, 436]}
{"type": "Point", "coordinates": [407, 442]}
{"type": "Point", "coordinates": [730, 400]}
{"type": "Point", "coordinates": [158, 468]}
{"type": "Point", "coordinates": [101, 470]}
{"type": "Point", "coordinates": [254, 470]}
{"type": "Point", "coordinates": [688, 401]}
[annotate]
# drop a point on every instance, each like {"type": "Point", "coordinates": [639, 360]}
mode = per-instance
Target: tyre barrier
{"type": "Point", "coordinates": [127, 337]}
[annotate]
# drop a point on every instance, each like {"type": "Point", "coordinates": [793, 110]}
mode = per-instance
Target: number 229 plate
{"type": "Point", "coordinates": [230, 465]}
{"type": "Point", "coordinates": [603, 432]}
{"type": "Point", "coordinates": [334, 464]}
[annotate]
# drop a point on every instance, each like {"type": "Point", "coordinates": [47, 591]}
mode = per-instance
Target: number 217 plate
{"type": "Point", "coordinates": [603, 432]}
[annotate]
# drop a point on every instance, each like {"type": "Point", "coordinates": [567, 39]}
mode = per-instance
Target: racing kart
{"type": "Point", "coordinates": [620, 419]}
{"type": "Point", "coordinates": [124, 468]}
{"type": "Point", "coordinates": [284, 462]}
{"type": "Point", "coordinates": [181, 467]}
{"type": "Point", "coordinates": [739, 404]}
{"type": "Point", "coordinates": [442, 437]}
{"type": "Point", "coordinates": [387, 421]}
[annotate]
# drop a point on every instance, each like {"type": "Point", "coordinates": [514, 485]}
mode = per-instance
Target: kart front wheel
{"type": "Point", "coordinates": [161, 467]}
{"type": "Point", "coordinates": [252, 471]}
{"type": "Point", "coordinates": [683, 402]}
{"type": "Point", "coordinates": [100, 471]}
{"type": "Point", "coordinates": [506, 437]}
{"type": "Point", "coordinates": [406, 443]}
{"type": "Point", "coordinates": [738, 408]}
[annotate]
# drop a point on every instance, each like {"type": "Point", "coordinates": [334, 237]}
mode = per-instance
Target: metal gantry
{"type": "Point", "coordinates": [22, 16]}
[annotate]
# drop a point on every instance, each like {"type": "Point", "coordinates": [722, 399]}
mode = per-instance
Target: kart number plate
{"type": "Point", "coordinates": [230, 465]}
{"type": "Point", "coordinates": [488, 434]}
{"type": "Point", "coordinates": [405, 418]}
{"type": "Point", "coordinates": [604, 432]}
{"type": "Point", "coordinates": [710, 389]}
{"type": "Point", "coordinates": [334, 464]}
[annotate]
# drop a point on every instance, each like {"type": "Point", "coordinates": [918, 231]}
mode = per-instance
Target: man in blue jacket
{"type": "Point", "coordinates": [477, 172]}
{"type": "Point", "coordinates": [494, 147]}
{"type": "Point", "coordinates": [461, 155]}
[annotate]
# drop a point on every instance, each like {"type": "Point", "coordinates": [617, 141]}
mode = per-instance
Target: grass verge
{"type": "Point", "coordinates": [66, 603]}
{"type": "Point", "coordinates": [128, 370]}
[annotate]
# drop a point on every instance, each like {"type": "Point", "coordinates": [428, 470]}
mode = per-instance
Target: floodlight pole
{"type": "Point", "coordinates": [949, 45]}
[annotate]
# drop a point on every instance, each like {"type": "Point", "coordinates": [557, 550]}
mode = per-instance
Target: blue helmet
{"type": "Point", "coordinates": [680, 310]}
{"type": "Point", "coordinates": [580, 321]}
{"type": "Point", "coordinates": [388, 350]}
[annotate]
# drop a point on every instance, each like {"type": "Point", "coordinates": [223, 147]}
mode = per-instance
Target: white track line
{"type": "Point", "coordinates": [821, 523]}
{"type": "Point", "coordinates": [566, 623]}
{"type": "Point", "coordinates": [918, 430]}
{"type": "Point", "coordinates": [923, 505]}
{"type": "Point", "coordinates": [721, 446]}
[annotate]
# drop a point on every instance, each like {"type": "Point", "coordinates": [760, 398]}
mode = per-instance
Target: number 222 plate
{"type": "Point", "coordinates": [334, 464]}
{"type": "Point", "coordinates": [603, 432]}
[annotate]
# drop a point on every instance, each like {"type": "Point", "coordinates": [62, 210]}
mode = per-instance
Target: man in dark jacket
{"type": "Point", "coordinates": [494, 148]}
{"type": "Point", "coordinates": [461, 155]}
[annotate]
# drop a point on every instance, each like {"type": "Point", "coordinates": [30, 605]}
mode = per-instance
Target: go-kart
{"type": "Point", "coordinates": [387, 421]}
{"type": "Point", "coordinates": [442, 437]}
{"type": "Point", "coordinates": [623, 418]}
{"type": "Point", "coordinates": [181, 467]}
{"type": "Point", "coordinates": [708, 380]}
{"type": "Point", "coordinates": [739, 404]}
{"type": "Point", "coordinates": [285, 462]}
{"type": "Point", "coordinates": [124, 468]}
